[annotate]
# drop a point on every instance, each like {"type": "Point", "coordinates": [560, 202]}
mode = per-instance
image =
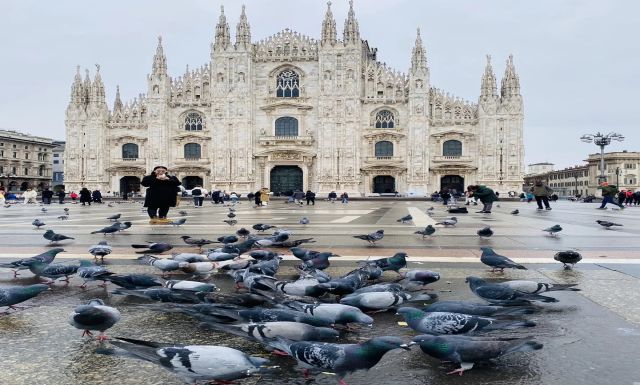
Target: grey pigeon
{"type": "Point", "coordinates": [242, 232]}
{"type": "Point", "coordinates": [13, 295]}
{"type": "Point", "coordinates": [394, 263]}
{"type": "Point", "coordinates": [405, 219]}
{"type": "Point", "coordinates": [114, 217]}
{"type": "Point", "coordinates": [292, 243]}
{"type": "Point", "coordinates": [423, 276]}
{"type": "Point", "coordinates": [532, 287]}
{"type": "Point", "coordinates": [153, 248]}
{"type": "Point", "coordinates": [53, 238]}
{"type": "Point", "coordinates": [473, 308]}
{"type": "Point", "coordinates": [225, 313]}
{"type": "Point", "coordinates": [503, 295]}
{"type": "Point", "coordinates": [606, 224]}
{"type": "Point", "coordinates": [485, 232]}
{"type": "Point", "coordinates": [466, 351]}
{"type": "Point", "coordinates": [183, 213]}
{"type": "Point", "coordinates": [191, 286]}
{"type": "Point", "coordinates": [38, 223]}
{"type": "Point", "coordinates": [134, 281]}
{"type": "Point", "coordinates": [497, 261]}
{"type": "Point", "coordinates": [108, 230]}
{"type": "Point", "coordinates": [262, 227]}
{"type": "Point", "coordinates": [199, 242]}
{"type": "Point", "coordinates": [52, 271]}
{"type": "Point", "coordinates": [164, 265]}
{"type": "Point", "coordinates": [226, 239]}
{"type": "Point", "coordinates": [347, 284]}
{"type": "Point", "coordinates": [94, 316]}
{"type": "Point", "coordinates": [163, 294]}
{"type": "Point", "coordinates": [231, 215]}
{"type": "Point", "coordinates": [340, 359]}
{"type": "Point", "coordinates": [429, 230]}
{"type": "Point", "coordinates": [303, 287]}
{"type": "Point", "coordinates": [188, 257]}
{"type": "Point", "coordinates": [454, 323]}
{"type": "Point", "coordinates": [304, 254]}
{"type": "Point", "coordinates": [263, 255]}
{"type": "Point", "coordinates": [23, 264]}
{"type": "Point", "coordinates": [44, 209]}
{"type": "Point", "coordinates": [567, 258]}
{"type": "Point", "coordinates": [90, 272]}
{"type": "Point", "coordinates": [376, 301]}
{"type": "Point", "coordinates": [448, 222]}
{"type": "Point", "coordinates": [338, 313]}
{"type": "Point", "coordinates": [219, 256]}
{"type": "Point", "coordinates": [230, 222]}
{"type": "Point", "coordinates": [268, 267]}
{"type": "Point", "coordinates": [196, 363]}
{"type": "Point", "coordinates": [63, 217]}
{"type": "Point", "coordinates": [294, 331]}
{"type": "Point", "coordinates": [123, 225]}
{"type": "Point", "coordinates": [553, 230]}
{"type": "Point", "coordinates": [178, 222]}
{"type": "Point", "coordinates": [320, 262]}
{"type": "Point", "coordinates": [203, 270]}
{"type": "Point", "coordinates": [515, 212]}
{"type": "Point", "coordinates": [372, 238]}
{"type": "Point", "coordinates": [304, 221]}
{"type": "Point", "coordinates": [101, 250]}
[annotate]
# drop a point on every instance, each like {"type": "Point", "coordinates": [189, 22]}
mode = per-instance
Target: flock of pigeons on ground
{"type": "Point", "coordinates": [300, 318]}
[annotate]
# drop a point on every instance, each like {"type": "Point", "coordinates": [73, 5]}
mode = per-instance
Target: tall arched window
{"type": "Point", "coordinates": [452, 148]}
{"type": "Point", "coordinates": [288, 84]}
{"type": "Point", "coordinates": [193, 122]}
{"type": "Point", "coordinates": [384, 148]}
{"type": "Point", "coordinates": [192, 151]}
{"type": "Point", "coordinates": [130, 151]}
{"type": "Point", "coordinates": [385, 119]}
{"type": "Point", "coordinates": [286, 126]}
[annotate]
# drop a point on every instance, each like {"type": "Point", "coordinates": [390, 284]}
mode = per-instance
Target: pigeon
{"type": "Point", "coordinates": [553, 230]}
{"type": "Point", "coordinates": [188, 257]}
{"type": "Point", "coordinates": [242, 232]}
{"type": "Point", "coordinates": [114, 217]}
{"type": "Point", "coordinates": [101, 250]}
{"type": "Point", "coordinates": [108, 230]}
{"type": "Point", "coordinates": [66, 210]}
{"type": "Point", "coordinates": [152, 248]}
{"type": "Point", "coordinates": [515, 212]}
{"type": "Point", "coordinates": [226, 314]}
{"type": "Point", "coordinates": [320, 262]}
{"type": "Point", "coordinates": [304, 254]}
{"type": "Point", "coordinates": [44, 209]}
{"type": "Point", "coordinates": [183, 213]}
{"type": "Point", "coordinates": [199, 242]}
{"type": "Point", "coordinates": [338, 313]}
{"type": "Point", "coordinates": [376, 301]}
{"type": "Point", "coordinates": [263, 255]}
{"type": "Point", "coordinates": [304, 221]}
{"type": "Point", "coordinates": [372, 238]}
{"type": "Point", "coordinates": [532, 287]}
{"type": "Point", "coordinates": [379, 288]}
{"type": "Point", "coordinates": [395, 263]}
{"type": "Point", "coordinates": [497, 261]}
{"type": "Point", "coordinates": [466, 351]}
{"type": "Point", "coordinates": [423, 276]}
{"type": "Point", "coordinates": [191, 286]}
{"type": "Point", "coordinates": [165, 265]}
{"type": "Point", "coordinates": [38, 223]}
{"type": "Point", "coordinates": [231, 215]}
{"type": "Point", "coordinates": [178, 222]}
{"type": "Point", "coordinates": [448, 222]}
{"type": "Point", "coordinates": [219, 257]}
{"type": "Point", "coordinates": [454, 323]}
{"type": "Point", "coordinates": [254, 282]}
{"type": "Point", "coordinates": [292, 243]}
{"type": "Point", "coordinates": [346, 285]}
{"type": "Point", "coordinates": [95, 315]}
{"type": "Point", "coordinates": [54, 238]}
{"type": "Point", "coordinates": [405, 219]}
{"type": "Point", "coordinates": [13, 295]}
{"type": "Point", "coordinates": [568, 258]}
{"type": "Point", "coordinates": [294, 331]}
{"type": "Point", "coordinates": [163, 295]}
{"type": "Point", "coordinates": [230, 222]}
{"type": "Point", "coordinates": [52, 271]}
{"type": "Point", "coordinates": [340, 359]}
{"type": "Point", "coordinates": [480, 309]}
{"type": "Point", "coordinates": [606, 224]}
{"type": "Point", "coordinates": [262, 227]}
{"type": "Point", "coordinates": [110, 205]}
{"type": "Point", "coordinates": [303, 287]}
{"type": "Point", "coordinates": [269, 267]}
{"type": "Point", "coordinates": [227, 239]}
{"type": "Point", "coordinates": [63, 217]}
{"type": "Point", "coordinates": [485, 232]}
{"type": "Point", "coordinates": [122, 225]}
{"type": "Point", "coordinates": [200, 269]}
{"type": "Point", "coordinates": [23, 264]}
{"type": "Point", "coordinates": [498, 294]}
{"type": "Point", "coordinates": [90, 272]}
{"type": "Point", "coordinates": [238, 248]}
{"type": "Point", "coordinates": [269, 241]}
{"type": "Point", "coordinates": [195, 363]}
{"type": "Point", "coordinates": [429, 230]}
{"type": "Point", "coordinates": [134, 281]}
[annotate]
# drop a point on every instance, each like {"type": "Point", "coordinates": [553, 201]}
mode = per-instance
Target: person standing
{"type": "Point", "coordinates": [215, 196]}
{"type": "Point", "coordinates": [96, 195]}
{"type": "Point", "coordinates": [298, 195]}
{"type": "Point", "coordinates": [46, 196]}
{"type": "Point", "coordinates": [256, 198]}
{"type": "Point", "coordinates": [446, 196]}
{"type": "Point", "coordinates": [198, 194]}
{"type": "Point", "coordinates": [85, 196]}
{"type": "Point", "coordinates": [608, 193]}
{"type": "Point", "coordinates": [161, 194]}
{"type": "Point", "coordinates": [333, 196]}
{"type": "Point", "coordinates": [311, 197]}
{"type": "Point", "coordinates": [629, 200]}
{"type": "Point", "coordinates": [30, 195]}
{"type": "Point", "coordinates": [2, 198]}
{"type": "Point", "coordinates": [234, 197]}
{"type": "Point", "coordinates": [73, 196]}
{"type": "Point", "coordinates": [264, 196]}
{"type": "Point", "coordinates": [344, 197]}
{"type": "Point", "coordinates": [61, 195]}
{"type": "Point", "coordinates": [486, 196]}
{"type": "Point", "coordinates": [541, 193]}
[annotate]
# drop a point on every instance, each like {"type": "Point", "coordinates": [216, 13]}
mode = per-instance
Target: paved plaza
{"type": "Point", "coordinates": [590, 337]}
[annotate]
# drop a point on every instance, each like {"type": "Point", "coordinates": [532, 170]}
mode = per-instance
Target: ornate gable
{"type": "Point", "coordinates": [286, 45]}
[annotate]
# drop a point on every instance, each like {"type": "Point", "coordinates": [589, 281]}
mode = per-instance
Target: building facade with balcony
{"type": "Point", "coordinates": [25, 161]}
{"type": "Point", "coordinates": [566, 182]}
{"type": "Point", "coordinates": [621, 168]}
{"type": "Point", "coordinates": [290, 112]}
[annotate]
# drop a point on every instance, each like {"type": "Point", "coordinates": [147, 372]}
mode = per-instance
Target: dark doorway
{"type": "Point", "coordinates": [129, 184]}
{"type": "Point", "coordinates": [24, 186]}
{"type": "Point", "coordinates": [189, 182]}
{"type": "Point", "coordinates": [384, 184]}
{"type": "Point", "coordinates": [285, 178]}
{"type": "Point", "coordinates": [451, 183]}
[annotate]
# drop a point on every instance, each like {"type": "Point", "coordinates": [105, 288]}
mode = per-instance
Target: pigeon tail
{"type": "Point", "coordinates": [526, 346]}
{"type": "Point", "coordinates": [498, 325]}
{"type": "Point", "coordinates": [515, 310]}
{"type": "Point", "coordinates": [145, 350]}
{"type": "Point", "coordinates": [562, 286]}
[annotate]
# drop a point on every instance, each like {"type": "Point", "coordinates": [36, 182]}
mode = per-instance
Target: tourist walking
{"type": "Point", "coordinates": [96, 195]}
{"type": "Point", "coordinates": [161, 194]}
{"type": "Point", "coordinates": [264, 196]}
{"type": "Point", "coordinates": [486, 196]}
{"type": "Point", "coordinates": [30, 195]}
{"type": "Point", "coordinates": [256, 198]}
{"type": "Point", "coordinates": [311, 197]}
{"type": "Point", "coordinates": [85, 196]}
{"type": "Point", "coordinates": [344, 197]}
{"type": "Point", "coordinates": [608, 193]}
{"type": "Point", "coordinates": [541, 192]}
{"type": "Point", "coordinates": [61, 195]}
{"type": "Point", "coordinates": [198, 194]}
{"type": "Point", "coordinates": [46, 196]}
{"type": "Point", "coordinates": [445, 195]}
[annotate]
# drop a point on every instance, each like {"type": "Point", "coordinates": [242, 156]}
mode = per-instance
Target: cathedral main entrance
{"type": "Point", "coordinates": [384, 184]}
{"type": "Point", "coordinates": [189, 182]}
{"type": "Point", "coordinates": [285, 178]}
{"type": "Point", "coordinates": [451, 183]}
{"type": "Point", "coordinates": [129, 184]}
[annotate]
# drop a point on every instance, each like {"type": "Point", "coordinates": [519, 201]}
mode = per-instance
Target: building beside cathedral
{"type": "Point", "coordinates": [291, 112]}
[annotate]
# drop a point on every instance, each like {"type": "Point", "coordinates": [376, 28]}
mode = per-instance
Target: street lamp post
{"type": "Point", "coordinates": [617, 177]}
{"type": "Point", "coordinates": [575, 176]}
{"type": "Point", "coordinates": [602, 141]}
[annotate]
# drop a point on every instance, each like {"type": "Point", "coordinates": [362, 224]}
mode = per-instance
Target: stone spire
{"type": "Point", "coordinates": [418, 55]}
{"type": "Point", "coordinates": [86, 87]}
{"type": "Point", "coordinates": [117, 104]}
{"type": "Point", "coordinates": [510, 82]}
{"type": "Point", "coordinates": [97, 88]}
{"type": "Point", "coordinates": [77, 91]}
{"type": "Point", "coordinates": [351, 31]}
{"type": "Point", "coordinates": [329, 32]}
{"type": "Point", "coordinates": [488, 85]}
{"type": "Point", "coordinates": [243, 31]}
{"type": "Point", "coordinates": [159, 60]}
{"type": "Point", "coordinates": [223, 37]}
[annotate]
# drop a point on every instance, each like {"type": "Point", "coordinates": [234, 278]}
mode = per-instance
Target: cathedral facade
{"type": "Point", "coordinates": [290, 112]}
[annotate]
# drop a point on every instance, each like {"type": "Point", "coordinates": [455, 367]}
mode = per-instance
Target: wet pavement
{"type": "Point", "coordinates": [589, 337]}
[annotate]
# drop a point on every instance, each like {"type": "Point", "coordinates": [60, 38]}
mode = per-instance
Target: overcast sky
{"type": "Point", "coordinates": [577, 60]}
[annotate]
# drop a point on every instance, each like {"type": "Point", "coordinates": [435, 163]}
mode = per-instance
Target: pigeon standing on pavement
{"type": "Point", "coordinates": [183, 213]}
{"type": "Point", "coordinates": [372, 238]}
{"type": "Point", "coordinates": [405, 219]}
{"type": "Point", "coordinates": [52, 271]}
{"type": "Point", "coordinates": [54, 238]}
{"type": "Point", "coordinates": [226, 239]}
{"type": "Point", "coordinates": [38, 223]}
{"type": "Point", "coordinates": [395, 263]}
{"type": "Point", "coordinates": [423, 276]}
{"type": "Point", "coordinates": [94, 316]}
{"type": "Point", "coordinates": [429, 230]}
{"type": "Point", "coordinates": [90, 272]}
{"type": "Point", "coordinates": [134, 281]}
{"type": "Point", "coordinates": [498, 294]}
{"type": "Point", "coordinates": [243, 233]}
{"type": "Point", "coordinates": [199, 242]}
{"type": "Point", "coordinates": [13, 295]}
{"type": "Point", "coordinates": [448, 222]}
{"type": "Point", "coordinates": [178, 222]}
{"type": "Point", "coordinates": [533, 287]}
{"type": "Point", "coordinates": [101, 250]}
{"type": "Point", "coordinates": [153, 248]}
{"type": "Point", "coordinates": [165, 265]}
{"type": "Point", "coordinates": [114, 217]}
{"type": "Point", "coordinates": [553, 230]}
{"type": "Point", "coordinates": [122, 225]}
{"type": "Point", "coordinates": [262, 227]}
{"type": "Point", "coordinates": [108, 230]}
{"type": "Point", "coordinates": [230, 222]}
{"type": "Point", "coordinates": [515, 212]}
{"type": "Point", "coordinates": [606, 224]}
{"type": "Point", "coordinates": [304, 221]}
{"type": "Point", "coordinates": [485, 232]}
{"type": "Point", "coordinates": [497, 261]}
{"type": "Point", "coordinates": [567, 258]}
{"type": "Point", "coordinates": [23, 264]}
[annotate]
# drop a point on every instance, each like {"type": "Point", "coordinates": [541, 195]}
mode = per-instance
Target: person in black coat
{"type": "Point", "coordinates": [85, 196]}
{"type": "Point", "coordinates": [97, 196]}
{"type": "Point", "coordinates": [257, 200]}
{"type": "Point", "coordinates": [311, 197]}
{"type": "Point", "coordinates": [61, 195]}
{"type": "Point", "coordinates": [46, 196]}
{"type": "Point", "coordinates": [161, 194]}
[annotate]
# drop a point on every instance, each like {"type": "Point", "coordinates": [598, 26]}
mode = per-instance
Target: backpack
{"type": "Point", "coordinates": [196, 192]}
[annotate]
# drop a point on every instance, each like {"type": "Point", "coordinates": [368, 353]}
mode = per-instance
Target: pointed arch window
{"type": "Point", "coordinates": [452, 148]}
{"type": "Point", "coordinates": [384, 149]}
{"type": "Point", "coordinates": [286, 126]}
{"type": "Point", "coordinates": [288, 84]}
{"type": "Point", "coordinates": [130, 151]}
{"type": "Point", "coordinates": [193, 122]}
{"type": "Point", "coordinates": [192, 151]}
{"type": "Point", "coordinates": [385, 119]}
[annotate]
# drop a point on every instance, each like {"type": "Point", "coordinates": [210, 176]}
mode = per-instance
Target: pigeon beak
{"type": "Point", "coordinates": [407, 346]}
